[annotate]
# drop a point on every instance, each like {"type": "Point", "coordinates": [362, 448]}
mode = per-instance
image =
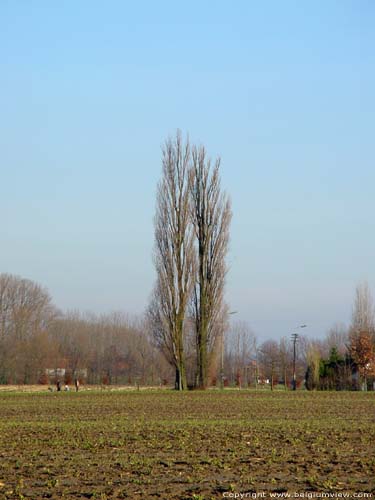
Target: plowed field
{"type": "Point", "coordinates": [198, 445]}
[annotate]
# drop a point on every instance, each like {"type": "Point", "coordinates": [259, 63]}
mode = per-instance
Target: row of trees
{"type": "Point", "coordinates": [118, 349]}
{"type": "Point", "coordinates": [35, 336]}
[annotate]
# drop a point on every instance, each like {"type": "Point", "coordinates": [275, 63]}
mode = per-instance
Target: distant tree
{"type": "Point", "coordinates": [363, 315]}
{"type": "Point", "coordinates": [242, 344]}
{"type": "Point", "coordinates": [285, 359]}
{"type": "Point", "coordinates": [314, 358]}
{"type": "Point", "coordinates": [337, 337]}
{"type": "Point", "coordinates": [268, 356]}
{"type": "Point", "coordinates": [26, 312]}
{"type": "Point", "coordinates": [74, 341]}
{"type": "Point", "coordinates": [363, 354]}
{"type": "Point", "coordinates": [332, 372]}
{"type": "Point", "coordinates": [362, 332]}
{"type": "Point", "coordinates": [329, 370]}
{"type": "Point", "coordinates": [25, 307]}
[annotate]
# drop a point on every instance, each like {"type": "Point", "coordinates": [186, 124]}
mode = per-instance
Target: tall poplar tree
{"type": "Point", "coordinates": [174, 254]}
{"type": "Point", "coordinates": [211, 215]}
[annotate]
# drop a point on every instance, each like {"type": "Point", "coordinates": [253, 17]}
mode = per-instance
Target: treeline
{"type": "Point", "coordinates": [350, 360]}
{"type": "Point", "coordinates": [37, 339]}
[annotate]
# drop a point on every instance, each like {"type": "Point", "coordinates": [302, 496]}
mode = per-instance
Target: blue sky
{"type": "Point", "coordinates": [282, 91]}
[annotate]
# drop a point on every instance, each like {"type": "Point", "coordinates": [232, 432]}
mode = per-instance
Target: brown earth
{"type": "Point", "coordinates": [195, 445]}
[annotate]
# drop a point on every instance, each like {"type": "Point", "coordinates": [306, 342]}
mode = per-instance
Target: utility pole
{"type": "Point", "coordinates": [294, 340]}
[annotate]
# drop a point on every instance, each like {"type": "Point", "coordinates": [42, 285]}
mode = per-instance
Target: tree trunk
{"type": "Point", "coordinates": [180, 382]}
{"type": "Point", "coordinates": [202, 363]}
{"type": "Point", "coordinates": [202, 344]}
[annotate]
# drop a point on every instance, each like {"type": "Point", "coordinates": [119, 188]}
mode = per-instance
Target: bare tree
{"type": "Point", "coordinates": [337, 337]}
{"type": "Point", "coordinates": [174, 254]}
{"type": "Point", "coordinates": [285, 359]}
{"type": "Point", "coordinates": [268, 356]}
{"type": "Point", "coordinates": [72, 333]}
{"type": "Point", "coordinates": [363, 315]}
{"type": "Point", "coordinates": [242, 351]}
{"type": "Point", "coordinates": [211, 216]}
{"type": "Point", "coordinates": [6, 281]}
{"type": "Point", "coordinates": [26, 312]}
{"type": "Point", "coordinates": [25, 307]}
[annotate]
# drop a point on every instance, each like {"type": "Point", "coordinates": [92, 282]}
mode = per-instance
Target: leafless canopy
{"type": "Point", "coordinates": [363, 316]}
{"type": "Point", "coordinates": [174, 254]}
{"type": "Point", "coordinates": [25, 308]}
{"type": "Point", "coordinates": [211, 216]}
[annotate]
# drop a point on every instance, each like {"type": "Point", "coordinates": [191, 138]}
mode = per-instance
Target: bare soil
{"type": "Point", "coordinates": [195, 445]}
